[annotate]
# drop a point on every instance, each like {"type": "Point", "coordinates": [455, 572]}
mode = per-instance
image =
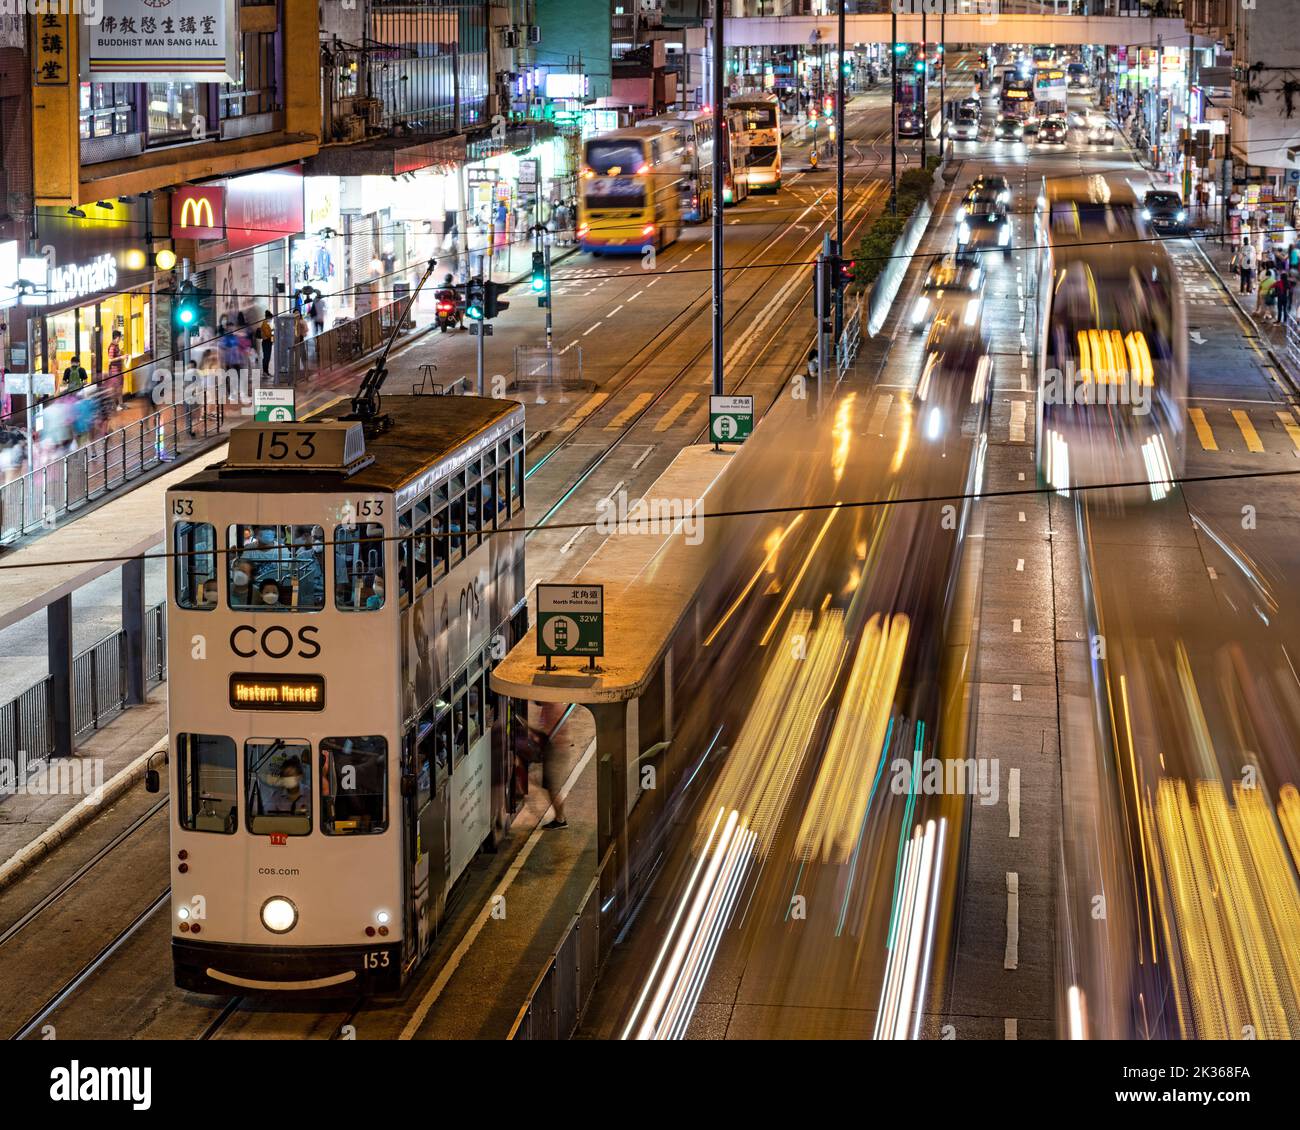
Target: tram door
{"type": "Point", "coordinates": [426, 838]}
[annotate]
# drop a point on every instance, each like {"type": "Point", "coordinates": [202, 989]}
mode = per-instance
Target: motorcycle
{"type": "Point", "coordinates": [449, 312]}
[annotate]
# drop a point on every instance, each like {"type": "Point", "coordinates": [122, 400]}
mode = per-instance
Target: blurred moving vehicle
{"type": "Point", "coordinates": [1100, 131]}
{"type": "Point", "coordinates": [964, 125]}
{"type": "Point", "coordinates": [1164, 211]}
{"type": "Point", "coordinates": [910, 123]}
{"type": "Point", "coordinates": [1009, 128]}
{"type": "Point", "coordinates": [983, 226]}
{"type": "Point", "coordinates": [1078, 77]}
{"type": "Point", "coordinates": [1112, 346]}
{"type": "Point", "coordinates": [988, 187]}
{"type": "Point", "coordinates": [759, 129]}
{"type": "Point", "coordinates": [629, 189]}
{"type": "Point", "coordinates": [1053, 131]}
{"type": "Point", "coordinates": [948, 288]}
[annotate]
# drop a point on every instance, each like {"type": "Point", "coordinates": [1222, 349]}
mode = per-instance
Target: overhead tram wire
{"type": "Point", "coordinates": [744, 512]}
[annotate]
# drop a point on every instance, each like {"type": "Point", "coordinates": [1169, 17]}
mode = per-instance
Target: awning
{"type": "Point", "coordinates": [388, 156]}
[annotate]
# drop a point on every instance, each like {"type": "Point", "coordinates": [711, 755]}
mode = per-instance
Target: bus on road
{"type": "Point", "coordinates": [696, 186]}
{"type": "Point", "coordinates": [760, 132]}
{"type": "Point", "coordinates": [629, 192]}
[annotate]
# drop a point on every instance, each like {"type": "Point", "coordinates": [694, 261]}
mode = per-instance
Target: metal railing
{"type": "Point", "coordinates": [559, 996]}
{"type": "Point", "coordinates": [99, 680]}
{"type": "Point", "coordinates": [348, 341]}
{"type": "Point", "coordinates": [40, 497]}
{"type": "Point", "coordinates": [538, 368]}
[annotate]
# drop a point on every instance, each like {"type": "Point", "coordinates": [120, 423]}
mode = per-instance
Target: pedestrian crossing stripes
{"type": "Point", "coordinates": [675, 412]}
{"type": "Point", "coordinates": [594, 401]}
{"type": "Point", "coordinates": [622, 419]}
{"type": "Point", "coordinates": [1235, 430]}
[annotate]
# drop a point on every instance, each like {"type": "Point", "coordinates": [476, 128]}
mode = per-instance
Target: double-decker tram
{"type": "Point", "coordinates": [760, 134]}
{"type": "Point", "coordinates": [629, 193]}
{"type": "Point", "coordinates": [733, 154]}
{"type": "Point", "coordinates": [341, 590]}
{"type": "Point", "coordinates": [1112, 345]}
{"type": "Point", "coordinates": [696, 183]}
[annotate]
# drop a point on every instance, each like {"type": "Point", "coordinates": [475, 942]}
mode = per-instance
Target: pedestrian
{"type": "Point", "coordinates": [318, 312]}
{"type": "Point", "coordinates": [1265, 298]}
{"type": "Point", "coordinates": [74, 376]}
{"type": "Point", "coordinates": [1246, 261]}
{"type": "Point", "coordinates": [1282, 289]}
{"type": "Point", "coordinates": [116, 368]}
{"type": "Point", "coordinates": [300, 342]}
{"type": "Point", "coordinates": [266, 335]}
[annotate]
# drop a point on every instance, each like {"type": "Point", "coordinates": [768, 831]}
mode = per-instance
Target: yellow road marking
{"type": "Point", "coordinates": [1202, 426]}
{"type": "Point", "coordinates": [1247, 430]}
{"type": "Point", "coordinates": [594, 401]}
{"type": "Point", "coordinates": [671, 416]}
{"type": "Point", "coordinates": [638, 402]}
{"type": "Point", "coordinates": [1292, 429]}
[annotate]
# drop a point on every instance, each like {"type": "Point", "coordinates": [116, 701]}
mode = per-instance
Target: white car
{"type": "Point", "coordinates": [1100, 131]}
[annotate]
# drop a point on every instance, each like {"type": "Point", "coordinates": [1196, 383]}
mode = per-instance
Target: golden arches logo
{"type": "Point", "coordinates": [196, 212]}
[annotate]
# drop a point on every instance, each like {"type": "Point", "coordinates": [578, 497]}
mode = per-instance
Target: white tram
{"type": "Point", "coordinates": [338, 598]}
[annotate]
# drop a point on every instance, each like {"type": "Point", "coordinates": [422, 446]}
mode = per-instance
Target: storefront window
{"type": "Point", "coordinates": [258, 90]}
{"type": "Point", "coordinates": [174, 109]}
{"type": "Point", "coordinates": [107, 108]}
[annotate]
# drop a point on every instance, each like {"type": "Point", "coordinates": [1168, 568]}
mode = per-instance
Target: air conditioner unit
{"type": "Point", "coordinates": [534, 34]}
{"type": "Point", "coordinates": [508, 37]}
{"type": "Point", "coordinates": [371, 110]}
{"type": "Point", "coordinates": [352, 128]}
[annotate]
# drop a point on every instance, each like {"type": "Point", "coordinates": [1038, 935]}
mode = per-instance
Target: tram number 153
{"type": "Point", "coordinates": [375, 959]}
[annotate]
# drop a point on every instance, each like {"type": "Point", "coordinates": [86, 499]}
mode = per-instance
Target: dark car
{"type": "Point", "coordinates": [983, 227]}
{"type": "Point", "coordinates": [1009, 128]}
{"type": "Point", "coordinates": [989, 186]}
{"type": "Point", "coordinates": [1053, 131]}
{"type": "Point", "coordinates": [910, 124]}
{"type": "Point", "coordinates": [1164, 211]}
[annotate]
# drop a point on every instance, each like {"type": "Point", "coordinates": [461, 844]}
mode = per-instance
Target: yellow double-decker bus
{"type": "Point", "coordinates": [629, 194]}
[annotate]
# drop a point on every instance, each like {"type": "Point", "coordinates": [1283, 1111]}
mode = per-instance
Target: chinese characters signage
{"type": "Point", "coordinates": [51, 57]}
{"type": "Point", "coordinates": [177, 40]}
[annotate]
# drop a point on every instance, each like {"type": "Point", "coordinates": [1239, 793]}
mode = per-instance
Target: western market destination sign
{"type": "Point", "coordinates": [149, 40]}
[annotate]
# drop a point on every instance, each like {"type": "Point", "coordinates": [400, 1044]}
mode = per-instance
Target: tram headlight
{"type": "Point", "coordinates": [381, 917]}
{"type": "Point", "coordinates": [279, 915]}
{"type": "Point", "coordinates": [183, 913]}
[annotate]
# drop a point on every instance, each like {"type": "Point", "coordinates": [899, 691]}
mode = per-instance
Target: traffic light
{"type": "Point", "coordinates": [900, 48]}
{"type": "Point", "coordinates": [919, 66]}
{"type": "Point", "coordinates": [538, 282]}
{"type": "Point", "coordinates": [828, 106]}
{"type": "Point", "coordinates": [186, 312]}
{"type": "Point", "coordinates": [492, 304]}
{"type": "Point", "coordinates": [474, 300]}
{"type": "Point", "coordinates": [844, 272]}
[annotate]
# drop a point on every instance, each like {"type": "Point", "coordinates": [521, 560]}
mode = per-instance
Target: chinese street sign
{"type": "Point", "coordinates": [570, 620]}
{"type": "Point", "coordinates": [731, 418]}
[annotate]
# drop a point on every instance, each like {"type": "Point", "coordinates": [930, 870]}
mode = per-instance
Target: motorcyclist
{"type": "Point", "coordinates": [450, 305]}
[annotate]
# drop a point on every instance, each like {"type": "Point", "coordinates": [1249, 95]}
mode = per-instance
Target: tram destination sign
{"type": "Point", "coordinates": [731, 418]}
{"type": "Point", "coordinates": [570, 620]}
{"type": "Point", "coordinates": [277, 692]}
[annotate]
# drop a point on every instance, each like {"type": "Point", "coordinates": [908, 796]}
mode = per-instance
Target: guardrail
{"type": "Point", "coordinates": [37, 499]}
{"type": "Point", "coordinates": [100, 691]}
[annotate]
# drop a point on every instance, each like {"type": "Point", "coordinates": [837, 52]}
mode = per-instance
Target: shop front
{"type": "Point", "coordinates": [94, 302]}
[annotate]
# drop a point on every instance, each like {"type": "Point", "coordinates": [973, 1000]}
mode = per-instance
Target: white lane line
{"type": "Point", "coordinates": [1015, 625]}
{"type": "Point", "coordinates": [1021, 476]}
{"type": "Point", "coordinates": [1020, 564]}
{"type": "Point", "coordinates": [568, 347]}
{"type": "Point", "coordinates": [643, 456]}
{"type": "Point", "coordinates": [876, 426]}
{"type": "Point", "coordinates": [1017, 427]}
{"type": "Point", "coordinates": [1016, 695]}
{"type": "Point", "coordinates": [617, 487]}
{"type": "Point", "coordinates": [593, 328]}
{"type": "Point", "coordinates": [615, 310]}
{"type": "Point", "coordinates": [1011, 959]}
{"type": "Point", "coordinates": [1009, 1029]}
{"type": "Point", "coordinates": [635, 296]}
{"type": "Point", "coordinates": [1013, 804]}
{"type": "Point", "coordinates": [651, 283]}
{"type": "Point", "coordinates": [1022, 516]}
{"type": "Point", "coordinates": [568, 545]}
{"type": "Point", "coordinates": [484, 916]}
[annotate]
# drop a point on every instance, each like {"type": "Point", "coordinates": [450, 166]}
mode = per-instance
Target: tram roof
{"type": "Point", "coordinates": [425, 431]}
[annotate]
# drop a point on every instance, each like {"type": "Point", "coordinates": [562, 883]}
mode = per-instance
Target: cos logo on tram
{"type": "Point", "coordinates": [276, 642]}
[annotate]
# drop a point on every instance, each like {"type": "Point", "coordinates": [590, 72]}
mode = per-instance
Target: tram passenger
{"type": "Point", "coordinates": [307, 567]}
{"type": "Point", "coordinates": [241, 583]}
{"type": "Point", "coordinates": [267, 553]}
{"type": "Point", "coordinates": [287, 794]}
{"type": "Point", "coordinates": [376, 586]}
{"type": "Point", "coordinates": [269, 591]}
{"type": "Point", "coordinates": [208, 593]}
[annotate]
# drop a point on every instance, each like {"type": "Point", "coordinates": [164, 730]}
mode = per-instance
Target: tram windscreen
{"type": "Point", "coordinates": [276, 568]}
{"type": "Point", "coordinates": [279, 786]}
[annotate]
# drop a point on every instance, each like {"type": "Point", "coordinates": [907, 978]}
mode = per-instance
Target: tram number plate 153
{"type": "Point", "coordinates": [375, 959]}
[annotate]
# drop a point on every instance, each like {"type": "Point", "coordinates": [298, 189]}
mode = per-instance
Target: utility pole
{"type": "Point", "coordinates": [943, 74]}
{"type": "Point", "coordinates": [893, 110]}
{"type": "Point", "coordinates": [719, 97]}
{"type": "Point", "coordinates": [925, 93]}
{"type": "Point", "coordinates": [1160, 66]}
{"type": "Point", "coordinates": [840, 86]}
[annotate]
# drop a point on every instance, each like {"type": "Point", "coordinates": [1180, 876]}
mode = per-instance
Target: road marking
{"type": "Point", "coordinates": [1020, 476]}
{"type": "Point", "coordinates": [568, 347]}
{"type": "Point", "coordinates": [1022, 516]}
{"type": "Point", "coordinates": [594, 401]}
{"type": "Point", "coordinates": [1251, 436]}
{"type": "Point", "coordinates": [876, 425]}
{"type": "Point", "coordinates": [568, 545]}
{"type": "Point", "coordinates": [651, 283]}
{"type": "Point", "coordinates": [1017, 430]}
{"type": "Point", "coordinates": [638, 402]}
{"type": "Point", "coordinates": [1020, 564]}
{"type": "Point", "coordinates": [670, 417]}
{"type": "Point", "coordinates": [635, 296]}
{"type": "Point", "coordinates": [593, 328]}
{"type": "Point", "coordinates": [485, 915]}
{"type": "Point", "coordinates": [643, 456]}
{"type": "Point", "coordinates": [1009, 1029]}
{"type": "Point", "coordinates": [1288, 422]}
{"type": "Point", "coordinates": [1202, 426]}
{"type": "Point", "coordinates": [1015, 626]}
{"type": "Point", "coordinates": [615, 310]}
{"type": "Point", "coordinates": [1013, 804]}
{"type": "Point", "coordinates": [1011, 959]}
{"type": "Point", "coordinates": [1016, 693]}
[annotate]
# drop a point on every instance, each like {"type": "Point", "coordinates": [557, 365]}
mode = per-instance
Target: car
{"type": "Point", "coordinates": [950, 284]}
{"type": "Point", "coordinates": [1053, 131]}
{"type": "Point", "coordinates": [982, 229]}
{"type": "Point", "coordinates": [1009, 128]}
{"type": "Point", "coordinates": [1164, 211]}
{"type": "Point", "coordinates": [910, 124]}
{"type": "Point", "coordinates": [1031, 122]}
{"type": "Point", "coordinates": [972, 102]}
{"type": "Point", "coordinates": [965, 126]}
{"type": "Point", "coordinates": [1100, 131]}
{"type": "Point", "coordinates": [989, 186]}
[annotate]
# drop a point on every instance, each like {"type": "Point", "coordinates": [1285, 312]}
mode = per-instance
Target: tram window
{"type": "Point", "coordinates": [459, 745]}
{"type": "Point", "coordinates": [474, 706]}
{"type": "Point", "coordinates": [196, 565]}
{"type": "Point", "coordinates": [517, 483]}
{"type": "Point", "coordinates": [359, 567]}
{"type": "Point", "coordinates": [278, 776]}
{"type": "Point", "coordinates": [442, 747]}
{"type": "Point", "coordinates": [439, 546]}
{"type": "Point", "coordinates": [353, 786]}
{"type": "Point", "coordinates": [489, 503]}
{"type": "Point", "coordinates": [277, 568]}
{"type": "Point", "coordinates": [503, 485]}
{"type": "Point", "coordinates": [457, 528]}
{"type": "Point", "coordinates": [422, 550]}
{"type": "Point", "coordinates": [425, 740]}
{"type": "Point", "coordinates": [473, 515]}
{"type": "Point", "coordinates": [404, 556]}
{"type": "Point", "coordinates": [207, 783]}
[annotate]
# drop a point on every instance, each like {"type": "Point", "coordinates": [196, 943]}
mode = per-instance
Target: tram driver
{"type": "Point", "coordinates": [284, 793]}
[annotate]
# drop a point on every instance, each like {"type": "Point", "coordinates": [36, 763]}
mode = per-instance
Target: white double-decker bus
{"type": "Point", "coordinates": [759, 134]}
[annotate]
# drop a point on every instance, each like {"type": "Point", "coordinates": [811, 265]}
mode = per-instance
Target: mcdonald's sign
{"type": "Point", "coordinates": [199, 212]}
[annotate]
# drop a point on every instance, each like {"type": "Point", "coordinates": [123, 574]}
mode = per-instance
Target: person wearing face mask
{"type": "Point", "coordinates": [241, 583]}
{"type": "Point", "coordinates": [307, 569]}
{"type": "Point", "coordinates": [291, 795]}
{"type": "Point", "coordinates": [267, 554]}
{"type": "Point", "coordinates": [269, 592]}
{"type": "Point", "coordinates": [376, 597]}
